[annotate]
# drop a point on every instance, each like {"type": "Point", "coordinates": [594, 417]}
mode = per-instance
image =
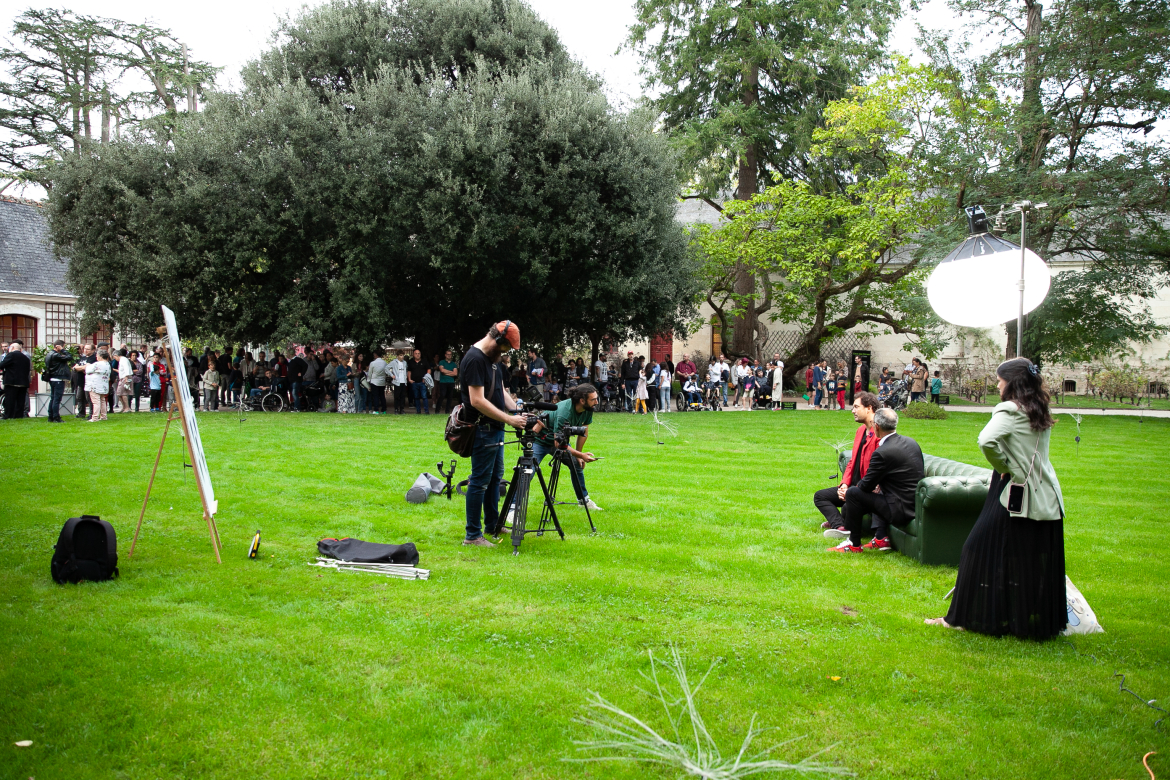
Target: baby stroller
{"type": "Point", "coordinates": [763, 396]}
{"type": "Point", "coordinates": [897, 397]}
{"type": "Point", "coordinates": [610, 398]}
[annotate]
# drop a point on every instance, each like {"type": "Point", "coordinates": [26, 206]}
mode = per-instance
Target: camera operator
{"type": "Point", "coordinates": [576, 411]}
{"type": "Point", "coordinates": [487, 404]}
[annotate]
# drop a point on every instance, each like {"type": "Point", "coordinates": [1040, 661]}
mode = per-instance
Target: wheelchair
{"type": "Point", "coordinates": [268, 401]}
{"type": "Point", "coordinates": [712, 396]}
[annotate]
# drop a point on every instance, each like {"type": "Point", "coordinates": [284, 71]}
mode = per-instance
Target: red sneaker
{"type": "Point", "coordinates": [881, 545]}
{"type": "Point", "coordinates": [845, 547]}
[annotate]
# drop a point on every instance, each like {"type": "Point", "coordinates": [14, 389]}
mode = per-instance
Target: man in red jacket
{"type": "Point", "coordinates": [830, 500]}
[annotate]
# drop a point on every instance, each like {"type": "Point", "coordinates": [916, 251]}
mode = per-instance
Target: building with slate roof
{"type": "Point", "coordinates": [35, 305]}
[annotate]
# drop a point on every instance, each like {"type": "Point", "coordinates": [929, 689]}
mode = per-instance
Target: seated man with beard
{"type": "Point", "coordinates": [830, 500]}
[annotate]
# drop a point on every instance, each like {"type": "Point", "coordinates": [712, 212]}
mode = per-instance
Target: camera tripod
{"type": "Point", "coordinates": [516, 500]}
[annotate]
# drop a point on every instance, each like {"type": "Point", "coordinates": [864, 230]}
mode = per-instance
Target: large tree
{"type": "Point", "coordinates": [416, 170]}
{"type": "Point", "coordinates": [1061, 109]}
{"type": "Point", "coordinates": [66, 68]}
{"type": "Point", "coordinates": [741, 85]}
{"type": "Point", "coordinates": [854, 259]}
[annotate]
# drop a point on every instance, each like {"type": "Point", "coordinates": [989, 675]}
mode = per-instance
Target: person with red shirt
{"type": "Point", "coordinates": [830, 500]}
{"type": "Point", "coordinates": [809, 384]}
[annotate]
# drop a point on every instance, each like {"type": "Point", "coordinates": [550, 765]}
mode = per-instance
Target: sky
{"type": "Point", "coordinates": [229, 34]}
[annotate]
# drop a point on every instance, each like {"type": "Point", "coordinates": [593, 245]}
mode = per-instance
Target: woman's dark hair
{"type": "Point", "coordinates": [1026, 388]}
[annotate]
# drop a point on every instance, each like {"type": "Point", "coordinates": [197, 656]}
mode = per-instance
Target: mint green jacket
{"type": "Point", "coordinates": [1008, 442]}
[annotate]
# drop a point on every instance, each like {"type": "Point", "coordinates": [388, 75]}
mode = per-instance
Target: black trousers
{"type": "Point", "coordinates": [377, 395]}
{"type": "Point", "coordinates": [399, 399]}
{"type": "Point", "coordinates": [446, 398]}
{"type": "Point", "coordinates": [829, 505]}
{"type": "Point", "coordinates": [56, 393]}
{"type": "Point", "coordinates": [859, 503]}
{"type": "Point", "coordinates": [80, 400]}
{"type": "Point", "coordinates": [15, 401]}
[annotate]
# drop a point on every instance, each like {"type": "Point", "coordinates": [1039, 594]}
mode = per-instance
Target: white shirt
{"type": "Point", "coordinates": [378, 372]}
{"type": "Point", "coordinates": [664, 378]}
{"type": "Point", "coordinates": [742, 371]}
{"type": "Point", "coordinates": [97, 377]}
{"type": "Point", "coordinates": [124, 367]}
{"type": "Point", "coordinates": [602, 371]}
{"type": "Point", "coordinates": [398, 371]}
{"type": "Point", "coordinates": [715, 371]}
{"type": "Point", "coordinates": [778, 377]}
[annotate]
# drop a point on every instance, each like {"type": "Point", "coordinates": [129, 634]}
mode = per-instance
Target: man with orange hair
{"type": "Point", "coordinates": [487, 405]}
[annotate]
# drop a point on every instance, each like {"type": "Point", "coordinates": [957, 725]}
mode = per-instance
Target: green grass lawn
{"type": "Point", "coordinates": [182, 668]}
{"type": "Point", "coordinates": [1073, 402]}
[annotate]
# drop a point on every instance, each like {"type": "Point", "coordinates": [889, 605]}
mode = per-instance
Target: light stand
{"type": "Point", "coordinates": [1024, 206]}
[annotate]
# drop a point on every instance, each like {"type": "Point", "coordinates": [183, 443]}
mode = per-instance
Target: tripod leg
{"type": "Point", "coordinates": [548, 503]}
{"type": "Point", "coordinates": [525, 468]}
{"type": "Point", "coordinates": [578, 488]}
{"type": "Point", "coordinates": [509, 497]}
{"type": "Point", "coordinates": [554, 477]}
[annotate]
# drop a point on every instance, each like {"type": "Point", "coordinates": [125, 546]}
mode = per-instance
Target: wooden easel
{"type": "Point", "coordinates": [177, 412]}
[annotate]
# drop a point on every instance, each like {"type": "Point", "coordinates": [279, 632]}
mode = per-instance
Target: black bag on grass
{"type": "Point", "coordinates": [357, 551]}
{"type": "Point", "coordinates": [86, 550]}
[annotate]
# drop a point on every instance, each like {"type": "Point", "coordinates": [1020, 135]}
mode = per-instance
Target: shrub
{"type": "Point", "coordinates": [921, 410]}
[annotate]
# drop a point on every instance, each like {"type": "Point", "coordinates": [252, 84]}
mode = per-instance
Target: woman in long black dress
{"type": "Point", "coordinates": [1011, 572]}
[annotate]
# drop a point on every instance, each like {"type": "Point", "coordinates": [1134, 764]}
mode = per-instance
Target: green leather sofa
{"type": "Point", "coordinates": [946, 506]}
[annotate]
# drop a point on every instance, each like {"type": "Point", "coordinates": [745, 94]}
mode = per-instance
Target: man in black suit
{"type": "Point", "coordinates": [886, 492]}
{"type": "Point", "coordinates": [17, 369]}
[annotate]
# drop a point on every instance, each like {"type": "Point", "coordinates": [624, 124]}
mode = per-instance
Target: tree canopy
{"type": "Point", "coordinates": [418, 169]}
{"type": "Point", "coordinates": [67, 66]}
{"type": "Point", "coordinates": [741, 86]}
{"type": "Point", "coordinates": [1060, 110]}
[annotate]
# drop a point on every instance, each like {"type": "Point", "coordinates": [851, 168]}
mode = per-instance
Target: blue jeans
{"type": "Point", "coordinates": [817, 397]}
{"type": "Point", "coordinates": [578, 476]}
{"type": "Point", "coordinates": [422, 400]}
{"type": "Point", "coordinates": [664, 398]}
{"type": "Point", "coordinates": [359, 404]}
{"type": "Point", "coordinates": [483, 486]}
{"type": "Point", "coordinates": [295, 392]}
{"type": "Point", "coordinates": [723, 387]}
{"type": "Point", "coordinates": [56, 392]}
{"type": "Point", "coordinates": [631, 392]}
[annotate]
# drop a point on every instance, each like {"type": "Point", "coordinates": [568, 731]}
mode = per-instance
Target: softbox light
{"type": "Point", "coordinates": [977, 285]}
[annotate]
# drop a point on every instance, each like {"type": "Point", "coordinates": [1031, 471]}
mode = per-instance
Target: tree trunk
{"type": "Point", "coordinates": [743, 322]}
{"type": "Point", "coordinates": [86, 97]}
{"type": "Point", "coordinates": [1033, 138]}
{"type": "Point", "coordinates": [105, 116]}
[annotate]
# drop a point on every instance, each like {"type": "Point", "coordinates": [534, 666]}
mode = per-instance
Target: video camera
{"type": "Point", "coordinates": [537, 412]}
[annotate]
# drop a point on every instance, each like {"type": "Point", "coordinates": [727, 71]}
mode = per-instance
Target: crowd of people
{"type": "Point", "coordinates": [104, 380]}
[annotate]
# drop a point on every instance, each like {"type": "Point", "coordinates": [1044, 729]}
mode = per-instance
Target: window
{"type": "Point", "coordinates": [60, 323]}
{"type": "Point", "coordinates": [1070, 385]}
{"type": "Point", "coordinates": [14, 326]}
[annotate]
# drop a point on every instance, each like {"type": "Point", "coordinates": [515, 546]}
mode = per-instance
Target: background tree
{"type": "Point", "coordinates": [1073, 90]}
{"type": "Point", "coordinates": [450, 168]}
{"type": "Point", "coordinates": [741, 85]}
{"type": "Point", "coordinates": [845, 260]}
{"type": "Point", "coordinates": [67, 68]}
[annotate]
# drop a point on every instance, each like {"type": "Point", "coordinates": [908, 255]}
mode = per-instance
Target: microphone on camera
{"type": "Point", "coordinates": [540, 406]}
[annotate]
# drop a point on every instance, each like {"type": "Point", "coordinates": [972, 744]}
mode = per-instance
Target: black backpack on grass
{"type": "Point", "coordinates": [86, 550]}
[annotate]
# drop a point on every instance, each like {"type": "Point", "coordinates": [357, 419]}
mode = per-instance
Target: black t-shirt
{"type": "Point", "coordinates": [418, 369]}
{"type": "Point", "coordinates": [296, 368]}
{"type": "Point", "coordinates": [476, 369]}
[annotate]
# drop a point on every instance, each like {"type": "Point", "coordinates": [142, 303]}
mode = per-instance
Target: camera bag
{"type": "Point", "coordinates": [87, 549]}
{"type": "Point", "coordinates": [459, 433]}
